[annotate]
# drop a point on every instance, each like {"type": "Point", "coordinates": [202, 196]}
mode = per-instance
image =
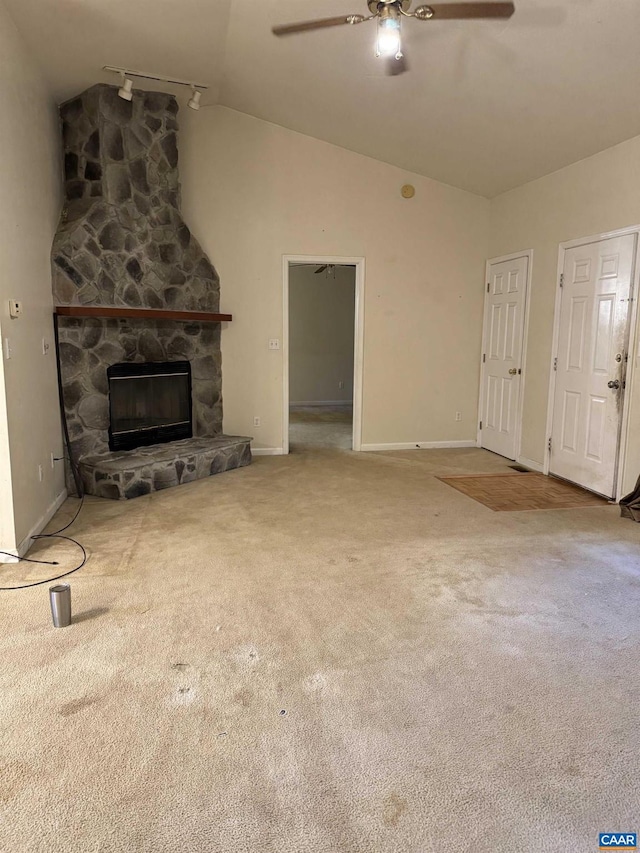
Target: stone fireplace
{"type": "Point", "coordinates": [122, 243]}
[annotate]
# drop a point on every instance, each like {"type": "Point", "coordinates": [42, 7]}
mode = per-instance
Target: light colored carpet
{"type": "Point", "coordinates": [318, 427]}
{"type": "Point", "coordinates": [324, 653]}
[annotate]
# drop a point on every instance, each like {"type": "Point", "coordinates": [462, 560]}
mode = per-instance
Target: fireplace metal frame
{"type": "Point", "coordinates": [145, 436]}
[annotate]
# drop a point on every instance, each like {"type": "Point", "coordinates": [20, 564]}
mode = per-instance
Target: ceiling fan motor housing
{"type": "Point", "coordinates": [376, 5]}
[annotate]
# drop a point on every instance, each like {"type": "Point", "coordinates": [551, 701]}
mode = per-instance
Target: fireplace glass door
{"type": "Point", "coordinates": [149, 403]}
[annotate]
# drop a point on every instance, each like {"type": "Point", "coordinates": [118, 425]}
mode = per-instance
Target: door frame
{"type": "Point", "coordinates": [632, 331]}
{"type": "Point", "coordinates": [526, 253]}
{"type": "Point", "coordinates": [358, 339]}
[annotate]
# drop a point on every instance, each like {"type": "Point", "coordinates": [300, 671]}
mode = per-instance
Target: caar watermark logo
{"type": "Point", "coordinates": [618, 840]}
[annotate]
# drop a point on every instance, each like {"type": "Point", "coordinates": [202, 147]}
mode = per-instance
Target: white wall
{"type": "Point", "coordinates": [599, 194]}
{"type": "Point", "coordinates": [321, 332]}
{"type": "Point", "coordinates": [253, 191]}
{"type": "Point", "coordinates": [30, 203]}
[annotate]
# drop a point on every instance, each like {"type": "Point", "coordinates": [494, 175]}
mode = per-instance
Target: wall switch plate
{"type": "Point", "coordinates": [274, 343]}
{"type": "Point", "coordinates": [341, 384]}
{"type": "Point", "coordinates": [7, 349]}
{"type": "Point", "coordinates": [45, 346]}
{"type": "Point", "coordinates": [40, 473]}
{"type": "Point", "coordinates": [15, 308]}
{"type": "Point", "coordinates": [256, 421]}
{"type": "Point", "coordinates": [53, 459]}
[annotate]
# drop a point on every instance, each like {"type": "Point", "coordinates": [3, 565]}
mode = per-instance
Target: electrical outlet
{"type": "Point", "coordinates": [7, 349]}
{"type": "Point", "coordinates": [458, 416]}
{"type": "Point", "coordinates": [256, 421]}
{"type": "Point", "coordinates": [341, 384]}
{"type": "Point", "coordinates": [45, 346]}
{"type": "Point", "coordinates": [40, 473]}
{"type": "Point", "coordinates": [274, 343]}
{"type": "Point", "coordinates": [15, 308]}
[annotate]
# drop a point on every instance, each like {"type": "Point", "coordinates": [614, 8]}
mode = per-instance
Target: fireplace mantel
{"type": "Point", "coordinates": [139, 313]}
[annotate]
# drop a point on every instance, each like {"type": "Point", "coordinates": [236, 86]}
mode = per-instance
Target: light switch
{"type": "Point", "coordinates": [15, 308]}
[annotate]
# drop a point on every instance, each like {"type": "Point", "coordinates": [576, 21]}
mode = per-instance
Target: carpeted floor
{"type": "Point", "coordinates": [315, 427]}
{"type": "Point", "coordinates": [326, 653]}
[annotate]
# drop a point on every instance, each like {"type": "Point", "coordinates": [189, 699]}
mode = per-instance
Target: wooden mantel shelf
{"type": "Point", "coordinates": [139, 313]}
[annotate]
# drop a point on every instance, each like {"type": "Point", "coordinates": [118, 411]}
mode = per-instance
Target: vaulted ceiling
{"type": "Point", "coordinates": [485, 105]}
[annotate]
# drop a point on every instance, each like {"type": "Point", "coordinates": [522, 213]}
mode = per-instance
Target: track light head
{"type": "Point", "coordinates": [194, 101]}
{"type": "Point", "coordinates": [126, 90]}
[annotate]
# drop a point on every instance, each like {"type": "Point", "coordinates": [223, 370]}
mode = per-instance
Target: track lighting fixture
{"type": "Point", "coordinates": [126, 90]}
{"type": "Point", "coordinates": [194, 101]}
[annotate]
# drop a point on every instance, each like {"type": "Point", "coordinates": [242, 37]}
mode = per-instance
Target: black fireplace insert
{"type": "Point", "coordinates": [149, 403]}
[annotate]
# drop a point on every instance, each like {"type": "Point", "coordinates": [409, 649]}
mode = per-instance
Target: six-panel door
{"type": "Point", "coordinates": [590, 368]}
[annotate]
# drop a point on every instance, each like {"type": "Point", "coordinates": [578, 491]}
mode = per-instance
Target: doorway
{"type": "Point", "coordinates": [322, 349]}
{"type": "Point", "coordinates": [589, 370]}
{"type": "Point", "coordinates": [503, 354]}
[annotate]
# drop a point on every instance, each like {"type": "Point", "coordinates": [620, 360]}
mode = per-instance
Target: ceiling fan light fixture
{"type": "Point", "coordinates": [388, 42]}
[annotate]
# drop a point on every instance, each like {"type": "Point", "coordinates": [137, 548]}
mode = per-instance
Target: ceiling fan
{"type": "Point", "coordinates": [390, 13]}
{"type": "Point", "coordinates": [328, 268]}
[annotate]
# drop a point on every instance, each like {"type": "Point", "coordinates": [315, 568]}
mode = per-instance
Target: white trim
{"type": "Point", "coordinates": [267, 451]}
{"type": "Point", "coordinates": [632, 330]}
{"type": "Point", "coordinates": [530, 463]}
{"type": "Point", "coordinates": [419, 445]}
{"type": "Point", "coordinates": [37, 528]}
{"type": "Point", "coordinates": [358, 342]}
{"type": "Point", "coordinates": [310, 403]}
{"type": "Point", "coordinates": [527, 253]}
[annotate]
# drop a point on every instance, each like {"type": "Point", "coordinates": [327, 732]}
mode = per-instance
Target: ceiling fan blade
{"type": "Point", "coordinates": [459, 11]}
{"type": "Point", "coordinates": [320, 23]}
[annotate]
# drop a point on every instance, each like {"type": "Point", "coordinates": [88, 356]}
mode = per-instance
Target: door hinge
{"type": "Point", "coordinates": [555, 363]}
{"type": "Point", "coordinates": [484, 357]}
{"type": "Point", "coordinates": [488, 285]}
{"type": "Point", "coordinates": [561, 279]}
{"type": "Point", "coordinates": [480, 424]}
{"type": "Point", "coordinates": [549, 444]}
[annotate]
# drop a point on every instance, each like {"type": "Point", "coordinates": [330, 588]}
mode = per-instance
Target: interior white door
{"type": "Point", "coordinates": [502, 355]}
{"type": "Point", "coordinates": [590, 364]}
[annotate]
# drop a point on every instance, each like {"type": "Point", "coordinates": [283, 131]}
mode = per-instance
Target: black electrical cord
{"type": "Point", "coordinates": [78, 481]}
{"type": "Point", "coordinates": [48, 563]}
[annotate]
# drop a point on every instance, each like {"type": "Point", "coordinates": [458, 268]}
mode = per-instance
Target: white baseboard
{"type": "Point", "coordinates": [38, 527]}
{"type": "Point", "coordinates": [267, 451]}
{"type": "Point", "coordinates": [322, 403]}
{"type": "Point", "coordinates": [529, 463]}
{"type": "Point", "coordinates": [419, 445]}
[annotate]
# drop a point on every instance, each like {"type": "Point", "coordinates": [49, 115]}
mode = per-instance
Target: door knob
{"type": "Point", "coordinates": [613, 384]}
{"type": "Point", "coordinates": [512, 371]}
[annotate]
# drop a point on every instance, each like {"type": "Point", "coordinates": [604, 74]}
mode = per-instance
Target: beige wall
{"type": "Point", "coordinates": [599, 194]}
{"type": "Point", "coordinates": [253, 191]}
{"type": "Point", "coordinates": [30, 201]}
{"type": "Point", "coordinates": [321, 317]}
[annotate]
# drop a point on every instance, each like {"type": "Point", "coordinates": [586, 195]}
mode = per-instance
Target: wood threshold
{"type": "Point", "coordinates": [139, 313]}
